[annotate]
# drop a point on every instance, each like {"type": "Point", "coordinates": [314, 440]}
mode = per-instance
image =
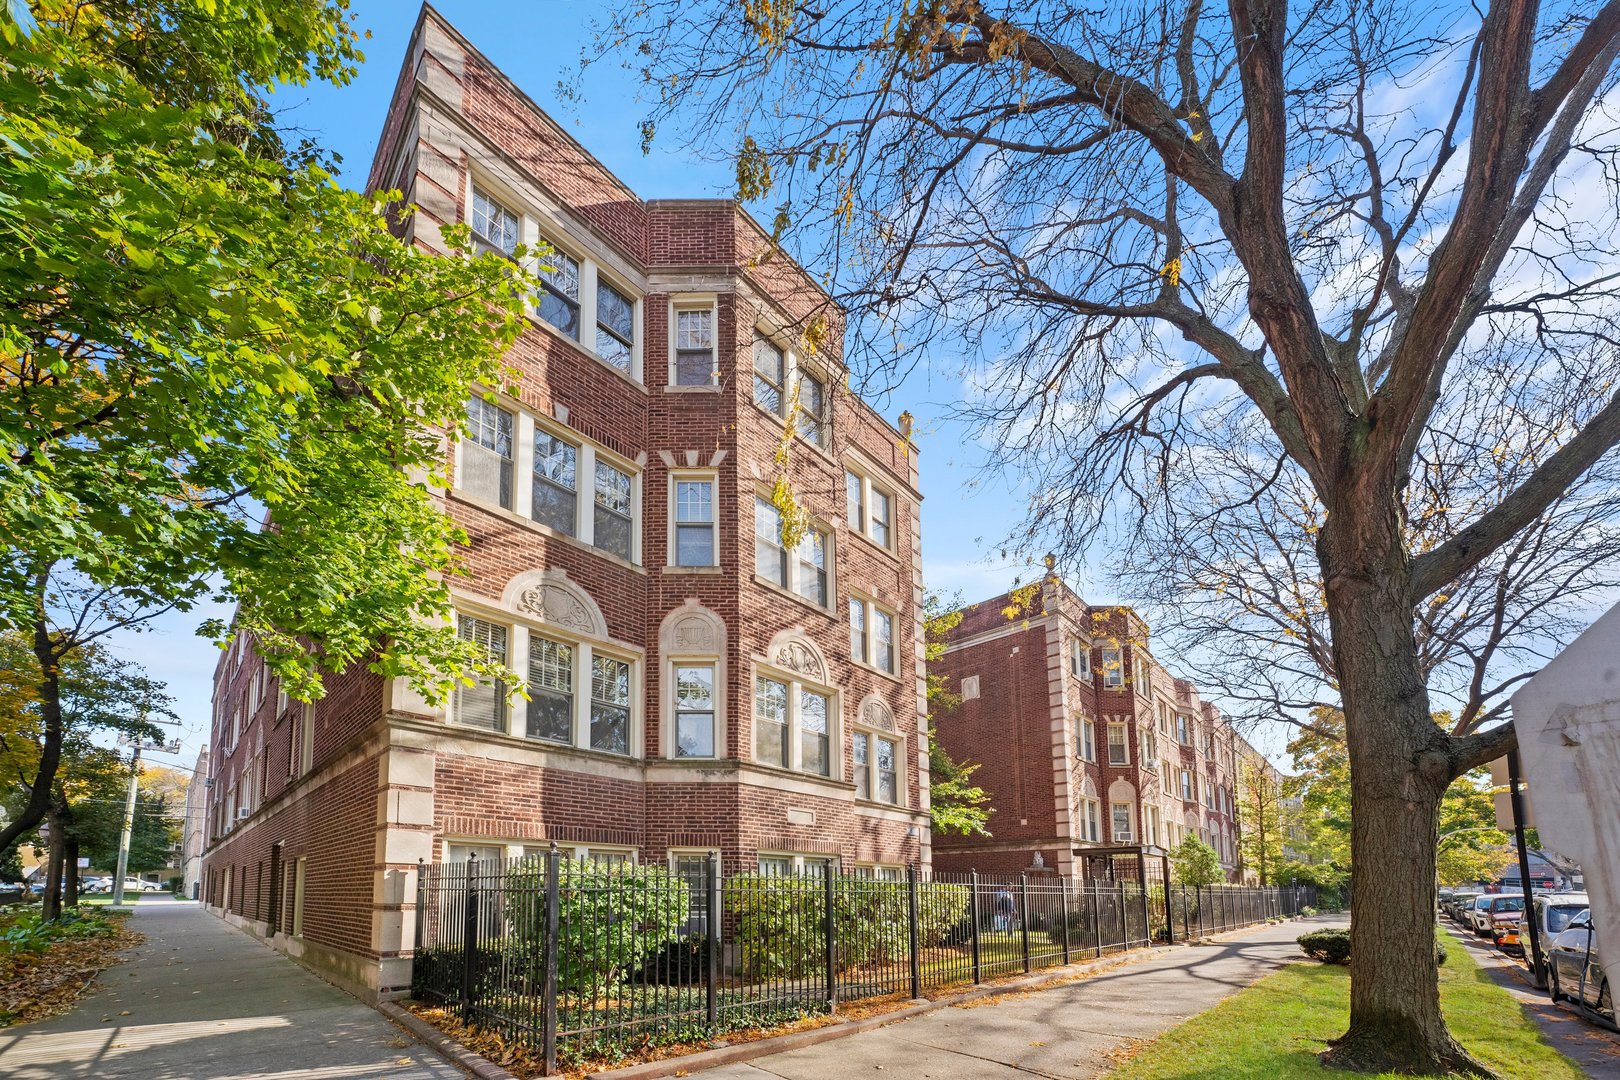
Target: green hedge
{"type": "Point", "coordinates": [609, 920]}
{"type": "Point", "coordinates": [779, 928]}
{"type": "Point", "coordinates": [1332, 946]}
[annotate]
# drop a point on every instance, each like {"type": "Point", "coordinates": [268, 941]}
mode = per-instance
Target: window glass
{"type": "Point", "coordinates": [694, 347]}
{"type": "Point", "coordinates": [887, 776]}
{"type": "Point", "coordinates": [770, 559]}
{"type": "Point", "coordinates": [770, 721]}
{"type": "Point", "coordinates": [883, 642]}
{"type": "Point", "coordinates": [857, 629]}
{"type": "Point", "coordinates": [486, 453]}
{"type": "Point", "coordinates": [854, 502]}
{"type": "Point", "coordinates": [863, 776]}
{"type": "Point", "coordinates": [551, 690]}
{"type": "Point", "coordinates": [694, 523]}
{"type": "Point", "coordinates": [1122, 822]}
{"type": "Point", "coordinates": [812, 409]}
{"type": "Point", "coordinates": [813, 732]}
{"type": "Point", "coordinates": [556, 485]}
{"type": "Point", "coordinates": [495, 224]}
{"type": "Point", "coordinates": [615, 326]}
{"type": "Point", "coordinates": [694, 710]}
{"type": "Point", "coordinates": [768, 376]}
{"type": "Point", "coordinates": [812, 559]}
{"type": "Point", "coordinates": [882, 508]}
{"type": "Point", "coordinates": [1113, 673]}
{"type": "Point", "coordinates": [1119, 751]}
{"type": "Point", "coordinates": [610, 705]}
{"type": "Point", "coordinates": [558, 299]}
{"type": "Point", "coordinates": [613, 529]}
{"type": "Point", "coordinates": [775, 866]}
{"type": "Point", "coordinates": [482, 704]}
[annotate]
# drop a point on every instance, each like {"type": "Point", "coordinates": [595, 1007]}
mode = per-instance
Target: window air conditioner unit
{"type": "Point", "coordinates": [242, 812]}
{"type": "Point", "coordinates": [1150, 763]}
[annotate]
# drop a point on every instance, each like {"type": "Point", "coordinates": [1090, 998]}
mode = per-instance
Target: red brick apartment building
{"type": "Point", "coordinates": [1084, 738]}
{"type": "Point", "coordinates": [695, 685]}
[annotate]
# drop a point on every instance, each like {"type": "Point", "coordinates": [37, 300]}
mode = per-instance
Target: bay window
{"type": "Point", "coordinates": [792, 725]}
{"type": "Point", "coordinates": [804, 570]}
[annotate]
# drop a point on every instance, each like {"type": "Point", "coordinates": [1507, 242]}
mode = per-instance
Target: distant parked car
{"type": "Point", "coordinates": [1459, 900]}
{"type": "Point", "coordinates": [13, 892]}
{"type": "Point", "coordinates": [1552, 913]}
{"type": "Point", "coordinates": [1502, 917]}
{"type": "Point", "coordinates": [1475, 909]}
{"type": "Point", "coordinates": [1577, 974]}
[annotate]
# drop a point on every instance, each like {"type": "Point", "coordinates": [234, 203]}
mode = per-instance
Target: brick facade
{"type": "Point", "coordinates": [319, 814]}
{"type": "Point", "coordinates": [1036, 669]}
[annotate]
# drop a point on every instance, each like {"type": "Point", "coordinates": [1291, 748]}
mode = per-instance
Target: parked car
{"type": "Point", "coordinates": [13, 892]}
{"type": "Point", "coordinates": [1502, 917]}
{"type": "Point", "coordinates": [1458, 901]}
{"type": "Point", "coordinates": [92, 885]}
{"type": "Point", "coordinates": [1475, 909]}
{"type": "Point", "coordinates": [1577, 974]}
{"type": "Point", "coordinates": [1552, 913]}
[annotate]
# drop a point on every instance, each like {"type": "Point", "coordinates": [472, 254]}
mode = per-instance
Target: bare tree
{"type": "Point", "coordinates": [1311, 311]}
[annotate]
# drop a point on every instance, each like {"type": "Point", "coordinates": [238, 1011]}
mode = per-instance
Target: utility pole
{"type": "Point", "coordinates": [1516, 800]}
{"type": "Point", "coordinates": [129, 826]}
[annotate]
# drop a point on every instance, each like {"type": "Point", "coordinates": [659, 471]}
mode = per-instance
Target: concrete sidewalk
{"type": "Point", "coordinates": [1067, 1031]}
{"type": "Point", "coordinates": [200, 999]}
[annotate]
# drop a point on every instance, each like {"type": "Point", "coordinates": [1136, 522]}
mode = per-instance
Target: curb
{"type": "Point", "coordinates": [730, 1055]}
{"type": "Point", "coordinates": [444, 1045]}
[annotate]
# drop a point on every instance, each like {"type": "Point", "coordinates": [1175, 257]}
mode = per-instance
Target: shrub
{"type": "Point", "coordinates": [610, 918]}
{"type": "Point", "coordinates": [1307, 911]}
{"type": "Point", "coordinates": [1329, 946]}
{"type": "Point", "coordinates": [1332, 946]}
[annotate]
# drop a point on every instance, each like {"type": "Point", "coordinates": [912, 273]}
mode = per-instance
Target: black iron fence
{"type": "Point", "coordinates": [579, 960]}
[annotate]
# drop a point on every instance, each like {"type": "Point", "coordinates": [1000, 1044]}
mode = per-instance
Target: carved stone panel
{"type": "Point", "coordinates": [875, 713]}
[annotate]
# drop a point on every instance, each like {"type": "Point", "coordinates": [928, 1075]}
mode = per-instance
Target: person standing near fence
{"type": "Point", "coordinates": [1004, 909]}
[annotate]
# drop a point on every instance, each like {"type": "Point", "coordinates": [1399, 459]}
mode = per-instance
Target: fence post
{"type": "Point", "coordinates": [421, 902]}
{"type": "Point", "coordinates": [829, 938]}
{"type": "Point", "coordinates": [973, 912]}
{"type": "Point", "coordinates": [1147, 910]}
{"type": "Point", "coordinates": [911, 931]}
{"type": "Point", "coordinates": [1023, 917]}
{"type": "Point", "coordinates": [548, 993]}
{"type": "Point", "coordinates": [712, 917]}
{"type": "Point", "coordinates": [1096, 913]}
{"type": "Point", "coordinates": [469, 937]}
{"type": "Point", "coordinates": [1063, 910]}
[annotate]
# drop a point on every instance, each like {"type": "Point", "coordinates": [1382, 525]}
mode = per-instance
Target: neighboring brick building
{"type": "Point", "coordinates": [694, 685]}
{"type": "Point", "coordinates": [194, 829]}
{"type": "Point", "coordinates": [1084, 739]}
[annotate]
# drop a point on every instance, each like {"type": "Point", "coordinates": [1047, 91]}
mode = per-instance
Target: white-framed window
{"type": "Point", "coordinates": [1151, 826]}
{"type": "Point", "coordinates": [1150, 748]}
{"type": "Point", "coordinates": [1090, 820]}
{"type": "Point", "coordinates": [1119, 744]}
{"type": "Point", "coordinates": [787, 863]}
{"type": "Point", "coordinates": [1123, 833]}
{"type": "Point", "coordinates": [792, 725]}
{"type": "Point", "coordinates": [694, 710]}
{"type": "Point", "coordinates": [812, 412]}
{"type": "Point", "coordinates": [694, 361]}
{"type": "Point", "coordinates": [615, 327]}
{"type": "Point", "coordinates": [877, 872]}
{"type": "Point", "coordinates": [1186, 786]}
{"type": "Point", "coordinates": [869, 508]}
{"type": "Point", "coordinates": [1113, 669]}
{"type": "Point", "coordinates": [494, 224]}
{"type": "Point", "coordinates": [1144, 684]}
{"type": "Point", "coordinates": [871, 634]}
{"type": "Point", "coordinates": [615, 528]}
{"type": "Point", "coordinates": [557, 302]}
{"type": "Point", "coordinates": [486, 453]}
{"type": "Point", "coordinates": [1085, 738]}
{"type": "Point", "coordinates": [695, 539]}
{"type": "Point", "coordinates": [770, 375]}
{"type": "Point", "coordinates": [483, 703]}
{"type": "Point", "coordinates": [610, 704]}
{"type": "Point", "coordinates": [1080, 659]}
{"type": "Point", "coordinates": [877, 763]}
{"type": "Point", "coordinates": [804, 570]}
{"type": "Point", "coordinates": [1183, 729]}
{"type": "Point", "coordinates": [550, 710]}
{"type": "Point", "coordinates": [1164, 718]}
{"type": "Point", "coordinates": [555, 498]}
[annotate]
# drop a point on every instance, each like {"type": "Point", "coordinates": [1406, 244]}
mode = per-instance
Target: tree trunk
{"type": "Point", "coordinates": [50, 751]}
{"type": "Point", "coordinates": [1399, 768]}
{"type": "Point", "coordinates": [52, 901]}
{"type": "Point", "coordinates": [70, 872]}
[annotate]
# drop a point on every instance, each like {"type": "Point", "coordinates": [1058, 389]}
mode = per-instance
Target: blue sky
{"type": "Point", "coordinates": [965, 513]}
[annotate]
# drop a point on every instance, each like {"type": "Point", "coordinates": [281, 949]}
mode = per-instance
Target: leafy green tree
{"type": "Point", "coordinates": [1260, 815]}
{"type": "Point", "coordinates": [201, 331]}
{"type": "Point", "coordinates": [955, 803]}
{"type": "Point", "coordinates": [1196, 863]}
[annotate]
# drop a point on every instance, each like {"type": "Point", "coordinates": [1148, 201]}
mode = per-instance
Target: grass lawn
{"type": "Point", "coordinates": [1275, 1029]}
